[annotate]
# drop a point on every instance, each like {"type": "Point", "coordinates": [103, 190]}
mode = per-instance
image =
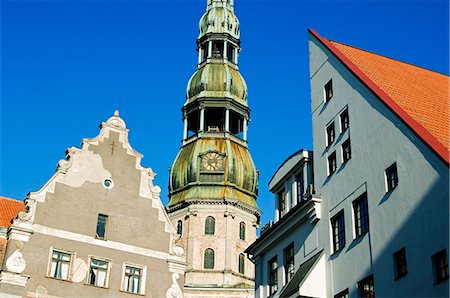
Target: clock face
{"type": "Point", "coordinates": [212, 161]}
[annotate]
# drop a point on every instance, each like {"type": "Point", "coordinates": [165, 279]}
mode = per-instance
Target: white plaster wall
{"type": "Point", "coordinates": [415, 215]}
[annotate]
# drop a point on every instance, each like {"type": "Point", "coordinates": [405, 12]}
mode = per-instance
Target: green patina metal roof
{"type": "Point", "coordinates": [217, 80]}
{"type": "Point", "coordinates": [238, 180]}
{"type": "Point", "coordinates": [219, 20]}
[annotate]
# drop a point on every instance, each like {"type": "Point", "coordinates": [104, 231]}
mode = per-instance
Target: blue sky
{"type": "Point", "coordinates": [67, 65]}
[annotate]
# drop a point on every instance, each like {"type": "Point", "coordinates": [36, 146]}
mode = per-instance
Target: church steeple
{"type": "Point", "coordinates": [217, 93]}
{"type": "Point", "coordinates": [213, 182]}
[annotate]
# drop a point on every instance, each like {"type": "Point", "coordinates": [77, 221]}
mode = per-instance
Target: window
{"type": "Point", "coordinates": [60, 264]}
{"type": "Point", "coordinates": [281, 203]}
{"type": "Point", "coordinates": [300, 187]}
{"type": "Point", "coordinates": [289, 268]}
{"type": "Point", "coordinates": [241, 263]}
{"type": "Point", "coordinates": [108, 183]}
{"type": "Point", "coordinates": [210, 226]}
{"type": "Point", "coordinates": [242, 230]}
{"type": "Point", "coordinates": [400, 266]}
{"type": "Point", "coordinates": [179, 227]}
{"type": "Point", "coordinates": [366, 287]}
{"type": "Point", "coordinates": [208, 260]}
{"type": "Point", "coordinates": [330, 134]}
{"type": "Point", "coordinates": [391, 177]}
{"type": "Point", "coordinates": [101, 226]}
{"type": "Point", "coordinates": [338, 228]}
{"type": "Point", "coordinates": [328, 90]}
{"type": "Point", "coordinates": [332, 163]}
{"type": "Point", "coordinates": [440, 266]}
{"type": "Point", "coordinates": [98, 272]}
{"type": "Point", "coordinates": [361, 213]}
{"type": "Point", "coordinates": [134, 279]}
{"type": "Point", "coordinates": [273, 277]}
{"type": "Point", "coordinates": [346, 151]}
{"type": "Point", "coordinates": [343, 294]}
{"type": "Point", "coordinates": [344, 120]}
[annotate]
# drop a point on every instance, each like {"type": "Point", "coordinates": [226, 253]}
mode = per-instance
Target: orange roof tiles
{"type": "Point", "coordinates": [419, 96]}
{"type": "Point", "coordinates": [8, 210]}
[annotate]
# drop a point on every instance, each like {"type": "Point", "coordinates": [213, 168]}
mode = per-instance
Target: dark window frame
{"type": "Point", "coordinates": [345, 120]}
{"type": "Point", "coordinates": [440, 266]}
{"type": "Point", "coordinates": [328, 90]}
{"type": "Point", "coordinates": [210, 225]}
{"type": "Point", "coordinates": [100, 232]}
{"type": "Point", "coordinates": [400, 263]}
{"type": "Point", "coordinates": [180, 227]}
{"type": "Point", "coordinates": [366, 287]}
{"type": "Point", "coordinates": [241, 263]}
{"type": "Point", "coordinates": [289, 263]}
{"type": "Point", "coordinates": [346, 151]}
{"type": "Point", "coordinates": [342, 294]}
{"type": "Point", "coordinates": [281, 203]}
{"type": "Point", "coordinates": [242, 230]}
{"type": "Point", "coordinates": [209, 256]}
{"type": "Point", "coordinates": [338, 231]}
{"type": "Point", "coordinates": [300, 184]}
{"type": "Point", "coordinates": [391, 174]}
{"type": "Point", "coordinates": [332, 163]}
{"type": "Point", "coordinates": [331, 133]}
{"type": "Point", "coordinates": [273, 275]}
{"type": "Point", "coordinates": [361, 215]}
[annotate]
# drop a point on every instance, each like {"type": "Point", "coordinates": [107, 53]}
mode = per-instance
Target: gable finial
{"type": "Point", "coordinates": [116, 113]}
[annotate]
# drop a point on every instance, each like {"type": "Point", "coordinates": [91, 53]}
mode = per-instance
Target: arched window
{"type": "Point", "coordinates": [242, 230]}
{"type": "Point", "coordinates": [208, 260]}
{"type": "Point", "coordinates": [180, 227]}
{"type": "Point", "coordinates": [210, 225]}
{"type": "Point", "coordinates": [241, 263]}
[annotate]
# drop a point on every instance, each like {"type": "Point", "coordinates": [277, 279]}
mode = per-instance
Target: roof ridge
{"type": "Point", "coordinates": [390, 58]}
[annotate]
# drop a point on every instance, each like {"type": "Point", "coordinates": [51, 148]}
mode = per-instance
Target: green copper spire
{"type": "Point", "coordinates": [214, 162]}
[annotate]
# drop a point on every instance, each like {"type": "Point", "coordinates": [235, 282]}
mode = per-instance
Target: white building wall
{"type": "Point", "coordinates": [414, 215]}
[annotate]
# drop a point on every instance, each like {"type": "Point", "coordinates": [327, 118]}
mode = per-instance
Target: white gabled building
{"type": "Point", "coordinates": [289, 246]}
{"type": "Point", "coordinates": [381, 157]}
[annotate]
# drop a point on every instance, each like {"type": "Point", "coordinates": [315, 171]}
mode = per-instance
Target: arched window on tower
{"type": "Point", "coordinates": [208, 259]}
{"type": "Point", "coordinates": [242, 230]}
{"type": "Point", "coordinates": [210, 226]}
{"type": "Point", "coordinates": [242, 263]}
{"type": "Point", "coordinates": [180, 227]}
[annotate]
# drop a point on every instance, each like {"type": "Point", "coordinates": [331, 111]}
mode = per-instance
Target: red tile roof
{"type": "Point", "coordinates": [8, 210]}
{"type": "Point", "coordinates": [420, 97]}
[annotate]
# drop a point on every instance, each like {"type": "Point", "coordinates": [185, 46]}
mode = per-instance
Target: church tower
{"type": "Point", "coordinates": [213, 182]}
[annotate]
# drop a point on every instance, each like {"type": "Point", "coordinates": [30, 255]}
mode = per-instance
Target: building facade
{"type": "Point", "coordinates": [381, 156]}
{"type": "Point", "coordinates": [96, 228]}
{"type": "Point", "coordinates": [213, 181]}
{"type": "Point", "coordinates": [289, 246]}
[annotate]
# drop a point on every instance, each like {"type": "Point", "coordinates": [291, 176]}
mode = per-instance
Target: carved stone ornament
{"type": "Point", "coordinates": [229, 213]}
{"type": "Point", "coordinates": [28, 213]}
{"type": "Point", "coordinates": [16, 263]}
{"type": "Point", "coordinates": [178, 250]}
{"type": "Point", "coordinates": [174, 291]}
